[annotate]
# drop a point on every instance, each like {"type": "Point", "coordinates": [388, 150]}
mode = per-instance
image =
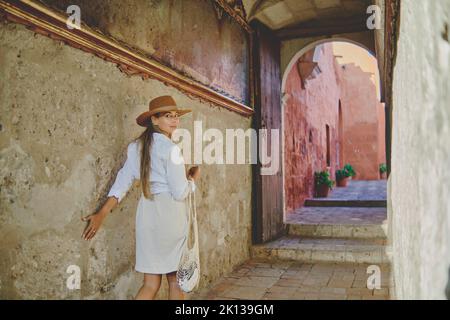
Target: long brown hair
{"type": "Point", "coordinates": [146, 142]}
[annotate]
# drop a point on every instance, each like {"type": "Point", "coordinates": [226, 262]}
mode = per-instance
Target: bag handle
{"type": "Point", "coordinates": [192, 219]}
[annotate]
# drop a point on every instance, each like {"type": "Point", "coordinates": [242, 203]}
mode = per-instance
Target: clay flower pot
{"type": "Point", "coordinates": [322, 191]}
{"type": "Point", "coordinates": [342, 182]}
{"type": "Point", "coordinates": [383, 175]}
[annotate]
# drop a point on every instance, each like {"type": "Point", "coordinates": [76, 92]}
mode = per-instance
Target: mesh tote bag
{"type": "Point", "coordinates": [188, 273]}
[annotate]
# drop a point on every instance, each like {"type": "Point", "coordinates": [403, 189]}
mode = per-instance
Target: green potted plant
{"type": "Point", "coordinates": [383, 170]}
{"type": "Point", "coordinates": [322, 183]}
{"type": "Point", "coordinates": [344, 174]}
{"type": "Point", "coordinates": [341, 178]}
{"type": "Point", "coordinates": [351, 173]}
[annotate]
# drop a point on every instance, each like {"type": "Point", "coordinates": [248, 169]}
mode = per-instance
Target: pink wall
{"type": "Point", "coordinates": [381, 134]}
{"type": "Point", "coordinates": [363, 118]}
{"type": "Point", "coordinates": [307, 112]}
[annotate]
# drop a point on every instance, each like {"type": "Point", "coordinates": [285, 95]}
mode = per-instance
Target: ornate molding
{"type": "Point", "coordinates": [46, 21]}
{"type": "Point", "coordinates": [235, 10]}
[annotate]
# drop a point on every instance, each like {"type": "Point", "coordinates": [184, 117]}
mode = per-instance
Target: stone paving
{"type": "Point", "coordinates": [360, 190]}
{"type": "Point", "coordinates": [323, 250]}
{"type": "Point", "coordinates": [324, 256]}
{"type": "Point", "coordinates": [356, 190]}
{"type": "Point", "coordinates": [338, 215]}
{"type": "Point", "coordinates": [261, 279]}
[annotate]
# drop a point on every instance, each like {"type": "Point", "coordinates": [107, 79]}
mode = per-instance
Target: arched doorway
{"type": "Point", "coordinates": [314, 123]}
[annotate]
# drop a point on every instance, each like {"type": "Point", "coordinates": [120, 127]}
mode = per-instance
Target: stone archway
{"type": "Point", "coordinates": [311, 136]}
{"type": "Point", "coordinates": [314, 43]}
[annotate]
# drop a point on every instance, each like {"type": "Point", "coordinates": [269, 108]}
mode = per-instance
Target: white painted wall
{"type": "Point", "coordinates": [419, 186]}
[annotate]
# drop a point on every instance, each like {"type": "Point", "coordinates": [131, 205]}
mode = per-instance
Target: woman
{"type": "Point", "coordinates": [161, 217]}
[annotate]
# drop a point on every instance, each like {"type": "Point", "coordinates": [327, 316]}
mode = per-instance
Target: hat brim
{"type": "Point", "coordinates": [144, 118]}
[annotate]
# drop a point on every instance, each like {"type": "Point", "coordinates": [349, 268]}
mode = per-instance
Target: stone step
{"type": "Point", "coordinates": [326, 202]}
{"type": "Point", "coordinates": [371, 251]}
{"type": "Point", "coordinates": [353, 231]}
{"type": "Point", "coordinates": [338, 222]}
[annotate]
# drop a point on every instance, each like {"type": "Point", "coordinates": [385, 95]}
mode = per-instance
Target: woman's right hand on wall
{"type": "Point", "coordinates": [95, 221]}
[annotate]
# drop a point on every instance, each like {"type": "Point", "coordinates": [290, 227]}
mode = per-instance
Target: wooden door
{"type": "Point", "coordinates": [267, 197]}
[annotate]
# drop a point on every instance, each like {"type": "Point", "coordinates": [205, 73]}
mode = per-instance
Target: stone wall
{"type": "Point", "coordinates": [66, 119]}
{"type": "Point", "coordinates": [419, 189]}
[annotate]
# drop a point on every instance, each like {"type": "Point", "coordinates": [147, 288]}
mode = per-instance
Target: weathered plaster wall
{"type": "Point", "coordinates": [185, 35]}
{"type": "Point", "coordinates": [363, 122]}
{"type": "Point", "coordinates": [66, 119]}
{"type": "Point", "coordinates": [306, 113]}
{"type": "Point", "coordinates": [419, 189]}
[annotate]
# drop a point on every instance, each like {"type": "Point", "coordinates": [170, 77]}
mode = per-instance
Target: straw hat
{"type": "Point", "coordinates": [159, 104]}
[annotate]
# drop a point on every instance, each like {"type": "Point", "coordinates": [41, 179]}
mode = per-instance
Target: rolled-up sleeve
{"type": "Point", "coordinates": [179, 185]}
{"type": "Point", "coordinates": [126, 175]}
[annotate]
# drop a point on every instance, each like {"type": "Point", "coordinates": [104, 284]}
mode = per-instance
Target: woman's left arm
{"type": "Point", "coordinates": [179, 185]}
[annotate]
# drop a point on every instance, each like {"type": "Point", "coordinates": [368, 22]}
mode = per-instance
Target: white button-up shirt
{"type": "Point", "coordinates": [167, 172]}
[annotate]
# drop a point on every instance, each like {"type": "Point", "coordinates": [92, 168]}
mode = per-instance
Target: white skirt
{"type": "Point", "coordinates": [161, 232]}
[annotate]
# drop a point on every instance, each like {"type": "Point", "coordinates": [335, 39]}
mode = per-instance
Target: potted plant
{"type": "Point", "coordinates": [341, 178]}
{"type": "Point", "coordinates": [383, 170]}
{"type": "Point", "coordinates": [349, 171]}
{"type": "Point", "coordinates": [344, 174]}
{"type": "Point", "coordinates": [323, 183]}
